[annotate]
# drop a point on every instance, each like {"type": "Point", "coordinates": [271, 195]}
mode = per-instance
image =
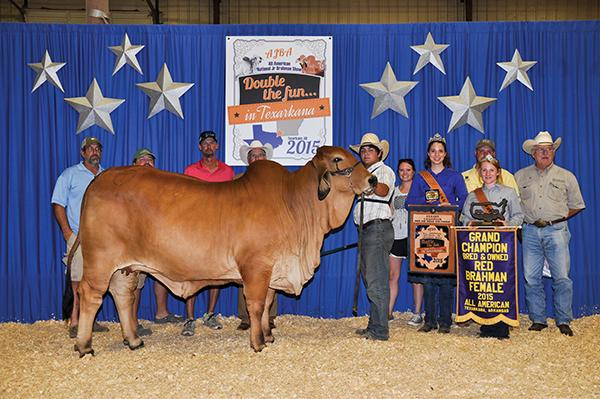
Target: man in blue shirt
{"type": "Point", "coordinates": [66, 203]}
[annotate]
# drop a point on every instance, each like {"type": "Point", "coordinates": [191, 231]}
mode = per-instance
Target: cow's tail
{"type": "Point", "coordinates": [67, 302]}
{"type": "Point", "coordinates": [72, 254]}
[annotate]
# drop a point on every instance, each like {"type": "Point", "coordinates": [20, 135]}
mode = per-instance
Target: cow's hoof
{"type": "Point", "coordinates": [269, 339]}
{"type": "Point", "coordinates": [258, 348]}
{"type": "Point", "coordinates": [83, 352]}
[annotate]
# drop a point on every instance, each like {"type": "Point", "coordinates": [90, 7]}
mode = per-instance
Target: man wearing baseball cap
{"type": "Point", "coordinates": [256, 151]}
{"type": "Point", "coordinates": [550, 195]}
{"type": "Point", "coordinates": [66, 203]}
{"type": "Point", "coordinates": [145, 157]}
{"type": "Point", "coordinates": [208, 169]}
{"type": "Point", "coordinates": [472, 178]}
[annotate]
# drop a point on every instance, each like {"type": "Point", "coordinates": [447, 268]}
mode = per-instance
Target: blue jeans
{"type": "Point", "coordinates": [551, 243]}
{"type": "Point", "coordinates": [375, 271]}
{"type": "Point", "coordinates": [438, 290]}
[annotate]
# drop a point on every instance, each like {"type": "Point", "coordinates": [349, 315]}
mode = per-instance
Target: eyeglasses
{"type": "Point", "coordinates": [93, 148]}
{"type": "Point", "coordinates": [544, 150]}
{"type": "Point", "coordinates": [145, 159]}
{"type": "Point", "coordinates": [252, 157]}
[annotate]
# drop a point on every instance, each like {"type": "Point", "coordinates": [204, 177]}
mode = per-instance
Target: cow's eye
{"type": "Point", "coordinates": [337, 159]}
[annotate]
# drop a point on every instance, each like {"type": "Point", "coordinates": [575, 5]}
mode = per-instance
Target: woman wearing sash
{"type": "Point", "coordinates": [438, 184]}
{"type": "Point", "coordinates": [493, 191]}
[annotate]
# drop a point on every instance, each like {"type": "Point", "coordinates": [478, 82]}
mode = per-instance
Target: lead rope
{"type": "Point", "coordinates": [360, 258]}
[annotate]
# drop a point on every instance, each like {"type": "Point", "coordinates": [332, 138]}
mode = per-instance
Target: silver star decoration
{"type": "Point", "coordinates": [516, 69]}
{"type": "Point", "coordinates": [466, 107]}
{"type": "Point", "coordinates": [94, 108]}
{"type": "Point", "coordinates": [429, 53]}
{"type": "Point", "coordinates": [164, 93]}
{"type": "Point", "coordinates": [46, 70]}
{"type": "Point", "coordinates": [389, 93]}
{"type": "Point", "coordinates": [126, 55]}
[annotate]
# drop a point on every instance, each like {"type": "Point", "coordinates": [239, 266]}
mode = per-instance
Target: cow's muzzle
{"type": "Point", "coordinates": [373, 182]}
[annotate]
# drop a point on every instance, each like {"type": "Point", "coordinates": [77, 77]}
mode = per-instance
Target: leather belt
{"type": "Point", "coordinates": [543, 223]}
{"type": "Point", "coordinates": [374, 222]}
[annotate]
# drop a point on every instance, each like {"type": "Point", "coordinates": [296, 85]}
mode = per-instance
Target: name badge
{"type": "Point", "coordinates": [432, 195]}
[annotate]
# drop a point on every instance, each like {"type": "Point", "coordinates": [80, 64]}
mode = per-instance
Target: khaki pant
{"type": "Point", "coordinates": [77, 262]}
{"type": "Point", "coordinates": [141, 280]}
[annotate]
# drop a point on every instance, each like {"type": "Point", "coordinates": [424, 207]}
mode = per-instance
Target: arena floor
{"type": "Point", "coordinates": [311, 358]}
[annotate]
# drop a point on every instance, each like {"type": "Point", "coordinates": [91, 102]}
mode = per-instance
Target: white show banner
{"type": "Point", "coordinates": [278, 91]}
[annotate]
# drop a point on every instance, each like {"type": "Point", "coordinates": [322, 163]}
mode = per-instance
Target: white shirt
{"type": "Point", "coordinates": [376, 210]}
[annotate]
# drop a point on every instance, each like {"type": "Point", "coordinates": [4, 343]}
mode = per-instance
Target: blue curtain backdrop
{"type": "Point", "coordinates": [38, 140]}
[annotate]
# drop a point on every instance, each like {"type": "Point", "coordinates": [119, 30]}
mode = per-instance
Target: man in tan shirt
{"type": "Point", "coordinates": [549, 196]}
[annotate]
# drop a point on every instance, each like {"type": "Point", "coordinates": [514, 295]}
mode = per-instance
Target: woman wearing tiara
{"type": "Point", "coordinates": [438, 184]}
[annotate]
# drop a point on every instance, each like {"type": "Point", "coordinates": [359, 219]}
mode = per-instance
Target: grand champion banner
{"type": "Point", "coordinates": [278, 91]}
{"type": "Point", "coordinates": [486, 260]}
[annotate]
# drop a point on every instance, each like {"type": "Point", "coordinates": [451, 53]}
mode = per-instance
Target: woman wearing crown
{"type": "Point", "coordinates": [438, 184]}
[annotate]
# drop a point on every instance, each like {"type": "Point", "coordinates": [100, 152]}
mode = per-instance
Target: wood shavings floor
{"type": "Point", "coordinates": [311, 358]}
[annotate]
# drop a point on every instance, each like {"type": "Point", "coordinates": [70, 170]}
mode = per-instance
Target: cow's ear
{"type": "Point", "coordinates": [324, 185]}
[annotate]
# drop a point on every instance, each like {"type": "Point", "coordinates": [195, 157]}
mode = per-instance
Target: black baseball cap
{"type": "Point", "coordinates": [207, 134]}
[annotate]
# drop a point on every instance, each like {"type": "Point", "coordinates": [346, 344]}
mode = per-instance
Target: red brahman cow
{"type": "Point", "coordinates": [264, 230]}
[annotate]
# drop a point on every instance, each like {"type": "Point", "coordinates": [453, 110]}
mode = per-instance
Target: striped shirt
{"type": "Point", "coordinates": [376, 210]}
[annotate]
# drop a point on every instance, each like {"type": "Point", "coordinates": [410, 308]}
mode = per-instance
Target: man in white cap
{"type": "Point", "coordinates": [66, 203]}
{"type": "Point", "coordinates": [549, 196]}
{"type": "Point", "coordinates": [256, 151]}
{"type": "Point", "coordinates": [377, 235]}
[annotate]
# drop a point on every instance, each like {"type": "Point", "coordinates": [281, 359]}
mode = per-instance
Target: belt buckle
{"type": "Point", "coordinates": [373, 222]}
